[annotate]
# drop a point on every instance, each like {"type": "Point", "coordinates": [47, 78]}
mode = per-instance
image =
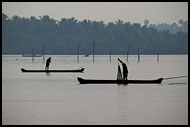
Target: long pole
{"type": "Point", "coordinates": [138, 56]}
{"type": "Point", "coordinates": [43, 54]}
{"type": "Point", "coordinates": [110, 55]}
{"type": "Point", "coordinates": [127, 53]}
{"type": "Point", "coordinates": [33, 55]}
{"type": "Point", "coordinates": [158, 57]}
{"type": "Point", "coordinates": [78, 55]}
{"type": "Point", "coordinates": [175, 77]}
{"type": "Point", "coordinates": [93, 50]}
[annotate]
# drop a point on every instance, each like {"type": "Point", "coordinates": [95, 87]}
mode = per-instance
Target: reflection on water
{"type": "Point", "coordinates": [48, 74]}
{"type": "Point", "coordinates": [57, 98]}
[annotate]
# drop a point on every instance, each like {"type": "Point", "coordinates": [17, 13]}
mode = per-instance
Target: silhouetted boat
{"type": "Point", "coordinates": [92, 81]}
{"type": "Point", "coordinates": [73, 71]}
{"type": "Point", "coordinates": [87, 55]}
{"type": "Point", "coordinates": [30, 55]}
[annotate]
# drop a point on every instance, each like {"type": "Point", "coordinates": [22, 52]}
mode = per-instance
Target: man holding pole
{"type": "Point", "coordinates": [125, 70]}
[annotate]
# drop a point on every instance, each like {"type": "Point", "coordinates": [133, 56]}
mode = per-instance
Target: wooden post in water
{"type": "Point", "coordinates": [78, 55]}
{"type": "Point", "coordinates": [93, 50]}
{"type": "Point", "coordinates": [43, 53]}
{"type": "Point", "coordinates": [158, 57]}
{"type": "Point", "coordinates": [33, 55]}
{"type": "Point", "coordinates": [127, 53]}
{"type": "Point", "coordinates": [110, 55]}
{"type": "Point", "coordinates": [138, 56]}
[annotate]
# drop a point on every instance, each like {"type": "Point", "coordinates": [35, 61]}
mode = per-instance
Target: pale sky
{"type": "Point", "coordinates": [134, 12]}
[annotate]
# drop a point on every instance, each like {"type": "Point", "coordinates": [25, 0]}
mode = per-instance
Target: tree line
{"type": "Point", "coordinates": [20, 35]}
{"type": "Point", "coordinates": [173, 28]}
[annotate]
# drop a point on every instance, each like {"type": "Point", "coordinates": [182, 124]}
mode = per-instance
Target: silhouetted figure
{"type": "Point", "coordinates": [47, 63]}
{"type": "Point", "coordinates": [125, 70]}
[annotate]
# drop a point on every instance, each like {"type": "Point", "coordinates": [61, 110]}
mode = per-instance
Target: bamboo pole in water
{"type": "Point", "coordinates": [158, 57]}
{"type": "Point", "coordinates": [110, 55]}
{"type": "Point", "coordinates": [78, 55]}
{"type": "Point", "coordinates": [33, 55]}
{"type": "Point", "coordinates": [43, 54]}
{"type": "Point", "coordinates": [93, 50]}
{"type": "Point", "coordinates": [138, 56]}
{"type": "Point", "coordinates": [127, 53]}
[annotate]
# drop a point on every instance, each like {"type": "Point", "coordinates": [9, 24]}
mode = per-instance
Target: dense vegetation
{"type": "Point", "coordinates": [173, 28]}
{"type": "Point", "coordinates": [20, 35]}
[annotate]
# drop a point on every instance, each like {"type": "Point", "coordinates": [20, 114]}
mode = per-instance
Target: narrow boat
{"type": "Point", "coordinates": [87, 55]}
{"type": "Point", "coordinates": [30, 55]}
{"type": "Point", "coordinates": [74, 71]}
{"type": "Point", "coordinates": [92, 81]}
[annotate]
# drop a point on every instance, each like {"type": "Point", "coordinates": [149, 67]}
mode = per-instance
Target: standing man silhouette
{"type": "Point", "coordinates": [48, 63]}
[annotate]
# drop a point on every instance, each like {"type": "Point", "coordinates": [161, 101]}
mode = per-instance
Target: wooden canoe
{"type": "Point", "coordinates": [31, 55]}
{"type": "Point", "coordinates": [72, 71]}
{"type": "Point", "coordinates": [92, 81]}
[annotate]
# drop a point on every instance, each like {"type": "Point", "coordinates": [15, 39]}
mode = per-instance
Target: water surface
{"type": "Point", "coordinates": [58, 98]}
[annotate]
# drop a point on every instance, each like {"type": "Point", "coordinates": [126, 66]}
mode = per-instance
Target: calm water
{"type": "Point", "coordinates": [58, 98]}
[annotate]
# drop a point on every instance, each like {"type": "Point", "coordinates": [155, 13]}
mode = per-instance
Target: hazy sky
{"type": "Point", "coordinates": [134, 12]}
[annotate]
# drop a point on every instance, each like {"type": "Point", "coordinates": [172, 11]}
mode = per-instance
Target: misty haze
{"type": "Point", "coordinates": [92, 63]}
